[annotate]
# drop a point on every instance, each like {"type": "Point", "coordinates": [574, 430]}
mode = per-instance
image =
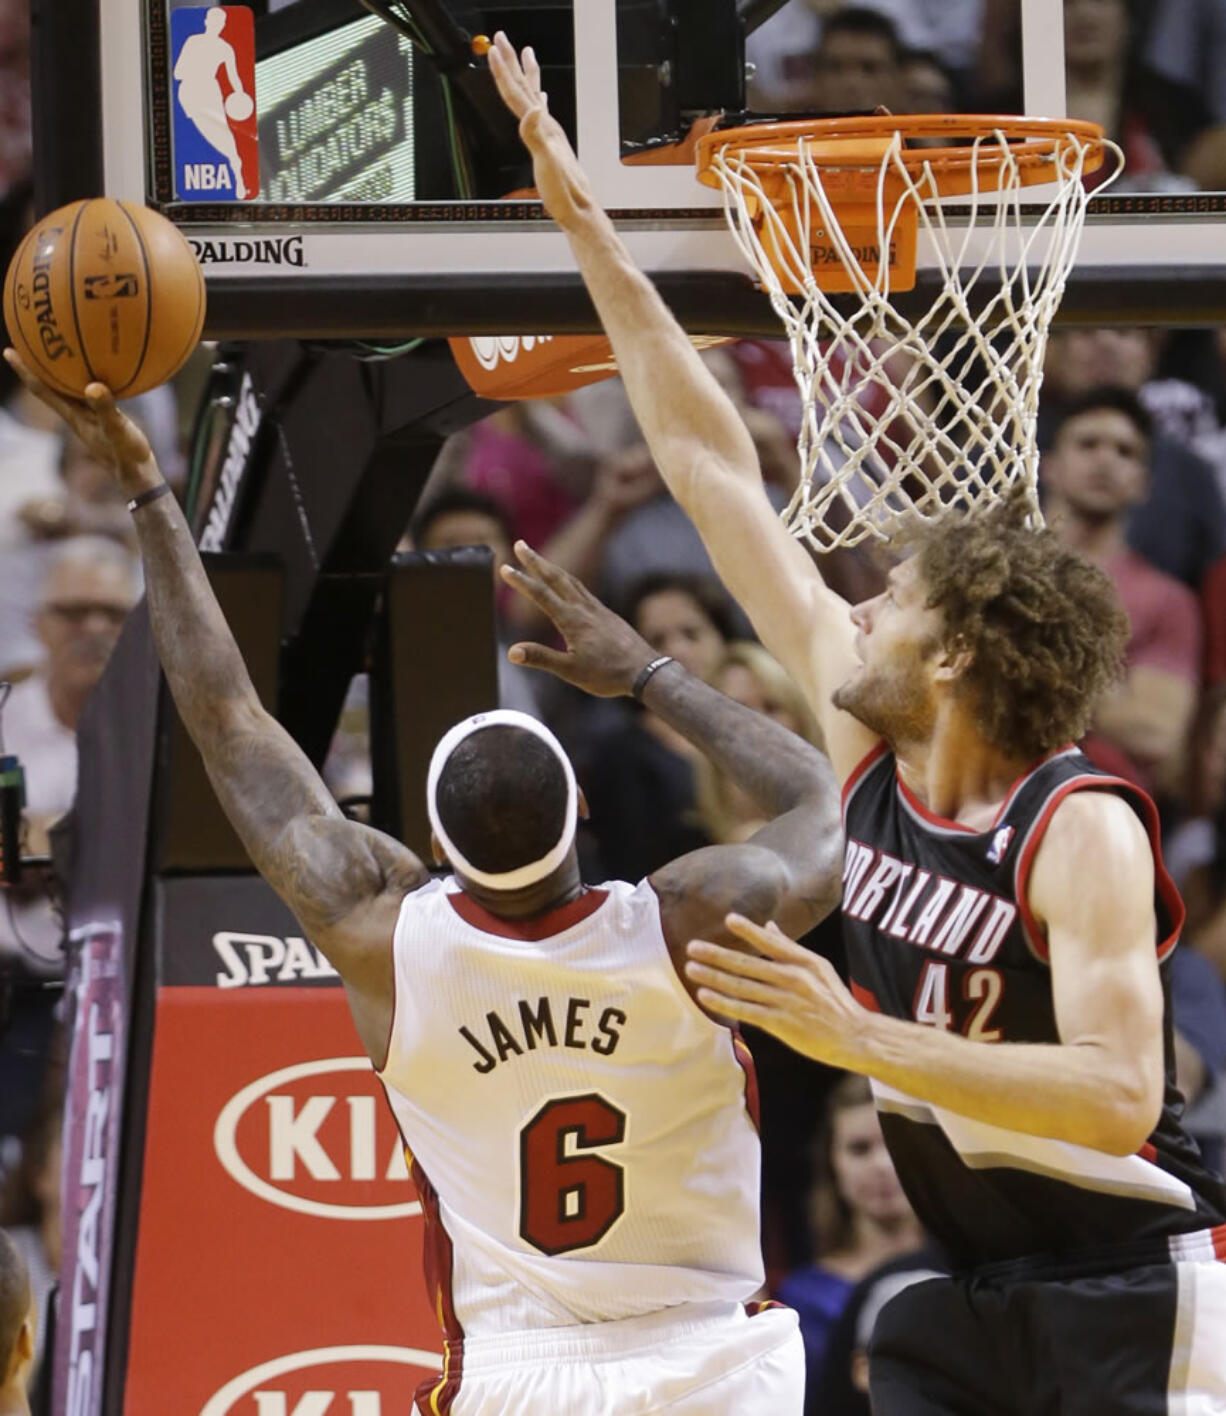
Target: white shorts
{"type": "Point", "coordinates": [708, 1359]}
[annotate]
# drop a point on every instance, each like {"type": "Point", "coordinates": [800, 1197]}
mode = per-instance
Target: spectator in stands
{"type": "Point", "coordinates": [90, 586]}
{"type": "Point", "coordinates": [30, 1212]}
{"type": "Point", "coordinates": [1093, 474]}
{"type": "Point", "coordinates": [951, 29]}
{"type": "Point", "coordinates": [16, 1330]}
{"type": "Point", "coordinates": [30, 453]}
{"type": "Point", "coordinates": [655, 535]}
{"type": "Point", "coordinates": [751, 676]}
{"type": "Point", "coordinates": [859, 1216]}
{"type": "Point", "coordinates": [857, 67]}
{"type": "Point", "coordinates": [1180, 527]}
{"type": "Point", "coordinates": [1186, 44]}
{"type": "Point", "coordinates": [640, 775]}
{"type": "Point", "coordinates": [534, 462]}
{"type": "Point", "coordinates": [1151, 118]}
{"type": "Point", "coordinates": [782, 49]}
{"type": "Point", "coordinates": [928, 84]}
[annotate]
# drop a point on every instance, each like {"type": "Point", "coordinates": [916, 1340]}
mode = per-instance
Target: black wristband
{"type": "Point", "coordinates": [151, 494]}
{"type": "Point", "coordinates": [645, 674]}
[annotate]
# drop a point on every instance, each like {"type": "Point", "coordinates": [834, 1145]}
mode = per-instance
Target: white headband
{"type": "Point", "coordinates": [524, 874]}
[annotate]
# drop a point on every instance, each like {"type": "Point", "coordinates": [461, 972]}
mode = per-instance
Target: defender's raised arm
{"type": "Point", "coordinates": [696, 436]}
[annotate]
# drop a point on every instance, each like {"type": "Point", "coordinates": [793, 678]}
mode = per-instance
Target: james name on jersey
{"type": "Point", "coordinates": [922, 907]}
{"type": "Point", "coordinates": [545, 1024]}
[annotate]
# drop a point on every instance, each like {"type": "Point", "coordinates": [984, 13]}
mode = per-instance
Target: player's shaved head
{"type": "Point", "coordinates": [502, 798]}
{"type": "Point", "coordinates": [14, 1301]}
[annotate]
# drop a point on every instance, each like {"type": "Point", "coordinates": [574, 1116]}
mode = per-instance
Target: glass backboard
{"type": "Point", "coordinates": [343, 167]}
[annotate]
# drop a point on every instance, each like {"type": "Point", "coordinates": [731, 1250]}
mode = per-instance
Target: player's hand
{"type": "Point", "coordinates": [603, 655]}
{"type": "Point", "coordinates": [781, 988]}
{"type": "Point", "coordinates": [111, 436]}
{"type": "Point", "coordinates": [560, 180]}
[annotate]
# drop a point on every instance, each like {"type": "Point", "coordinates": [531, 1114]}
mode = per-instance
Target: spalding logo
{"type": "Point", "coordinates": [329, 1148]}
{"type": "Point", "coordinates": [55, 346]}
{"type": "Point", "coordinates": [347, 1392]}
{"type": "Point", "coordinates": [492, 349]}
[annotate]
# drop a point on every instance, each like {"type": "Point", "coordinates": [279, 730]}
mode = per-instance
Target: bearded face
{"type": "Point", "coordinates": [898, 643]}
{"type": "Point", "coordinates": [892, 695]}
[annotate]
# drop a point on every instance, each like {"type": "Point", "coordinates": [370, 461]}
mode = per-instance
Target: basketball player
{"type": "Point", "coordinates": [200, 94]}
{"type": "Point", "coordinates": [997, 890]}
{"type": "Point", "coordinates": [16, 1329]}
{"type": "Point", "coordinates": [582, 1134]}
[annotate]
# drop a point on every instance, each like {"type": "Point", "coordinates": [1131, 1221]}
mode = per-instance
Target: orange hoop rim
{"type": "Point", "coordinates": [769, 148]}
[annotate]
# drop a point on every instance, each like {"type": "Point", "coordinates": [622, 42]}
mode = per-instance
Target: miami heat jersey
{"type": "Point", "coordinates": [938, 931]}
{"type": "Point", "coordinates": [581, 1133]}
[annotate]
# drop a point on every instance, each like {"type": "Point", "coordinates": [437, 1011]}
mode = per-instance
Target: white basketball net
{"type": "Point", "coordinates": [906, 416]}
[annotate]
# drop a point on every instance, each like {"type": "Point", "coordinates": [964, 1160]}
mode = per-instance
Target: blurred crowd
{"type": "Point", "coordinates": [1152, 72]}
{"type": "Point", "coordinates": [1133, 473]}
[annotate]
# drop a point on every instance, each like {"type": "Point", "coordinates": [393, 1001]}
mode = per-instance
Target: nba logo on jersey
{"type": "Point", "coordinates": [1000, 844]}
{"type": "Point", "coordinates": [216, 144]}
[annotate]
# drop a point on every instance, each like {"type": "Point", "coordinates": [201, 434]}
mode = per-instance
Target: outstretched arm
{"type": "Point", "coordinates": [1100, 1086]}
{"type": "Point", "coordinates": [790, 869]}
{"type": "Point", "coordinates": [696, 436]}
{"type": "Point", "coordinates": [343, 881]}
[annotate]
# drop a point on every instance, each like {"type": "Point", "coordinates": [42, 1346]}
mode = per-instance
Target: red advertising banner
{"type": "Point", "coordinates": [279, 1261]}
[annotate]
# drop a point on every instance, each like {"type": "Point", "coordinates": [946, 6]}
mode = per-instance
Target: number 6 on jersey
{"type": "Point", "coordinates": [570, 1201]}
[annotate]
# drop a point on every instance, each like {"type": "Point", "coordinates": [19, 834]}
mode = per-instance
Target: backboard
{"type": "Point", "coordinates": [370, 189]}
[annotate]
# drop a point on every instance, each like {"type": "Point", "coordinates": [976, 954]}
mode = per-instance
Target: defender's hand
{"type": "Point", "coordinates": [781, 988]}
{"type": "Point", "coordinates": [559, 178]}
{"type": "Point", "coordinates": [603, 654]}
{"type": "Point", "coordinates": [111, 436]}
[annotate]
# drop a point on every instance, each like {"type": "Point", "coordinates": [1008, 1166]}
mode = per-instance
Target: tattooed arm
{"type": "Point", "coordinates": [343, 881]}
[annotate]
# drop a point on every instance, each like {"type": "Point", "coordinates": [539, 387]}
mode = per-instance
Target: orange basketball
{"type": "Point", "coordinates": [104, 290]}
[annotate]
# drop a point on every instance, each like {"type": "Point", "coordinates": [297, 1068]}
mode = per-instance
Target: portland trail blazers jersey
{"type": "Point", "coordinates": [938, 931]}
{"type": "Point", "coordinates": [581, 1133]}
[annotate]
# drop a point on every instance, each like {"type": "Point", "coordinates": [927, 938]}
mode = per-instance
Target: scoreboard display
{"type": "Point", "coordinates": [336, 117]}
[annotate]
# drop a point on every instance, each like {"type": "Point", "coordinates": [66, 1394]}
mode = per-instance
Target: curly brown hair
{"type": "Point", "coordinates": [1043, 625]}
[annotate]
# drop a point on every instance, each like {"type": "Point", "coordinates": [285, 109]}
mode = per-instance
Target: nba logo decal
{"type": "Point", "coordinates": [216, 144]}
{"type": "Point", "coordinates": [1000, 844]}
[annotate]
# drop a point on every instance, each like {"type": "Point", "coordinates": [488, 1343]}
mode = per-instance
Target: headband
{"type": "Point", "coordinates": [524, 874]}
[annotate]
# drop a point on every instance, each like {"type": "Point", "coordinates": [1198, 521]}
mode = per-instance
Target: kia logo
{"type": "Point", "coordinates": [325, 1148]}
{"type": "Point", "coordinates": [342, 1392]}
{"type": "Point", "coordinates": [492, 349]}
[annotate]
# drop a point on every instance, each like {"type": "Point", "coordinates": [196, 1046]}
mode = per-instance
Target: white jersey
{"type": "Point", "coordinates": [580, 1131]}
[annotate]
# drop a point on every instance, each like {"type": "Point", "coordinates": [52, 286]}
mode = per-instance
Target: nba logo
{"type": "Point", "coordinates": [216, 145]}
{"type": "Point", "coordinates": [1000, 844]}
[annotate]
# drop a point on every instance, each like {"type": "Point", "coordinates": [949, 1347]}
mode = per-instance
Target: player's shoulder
{"type": "Point", "coordinates": [1094, 832]}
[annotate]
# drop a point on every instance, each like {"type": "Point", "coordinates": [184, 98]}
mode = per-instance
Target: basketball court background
{"type": "Point", "coordinates": [277, 1272]}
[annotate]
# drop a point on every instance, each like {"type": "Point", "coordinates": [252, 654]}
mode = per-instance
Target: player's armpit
{"type": "Point", "coordinates": [343, 881]}
{"type": "Point", "coordinates": [789, 872]}
{"type": "Point", "coordinates": [1092, 891]}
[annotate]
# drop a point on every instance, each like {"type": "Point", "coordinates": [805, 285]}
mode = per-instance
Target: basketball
{"type": "Point", "coordinates": [239, 106]}
{"type": "Point", "coordinates": [105, 291]}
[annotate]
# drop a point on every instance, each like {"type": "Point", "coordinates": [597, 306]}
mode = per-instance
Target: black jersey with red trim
{"type": "Point", "coordinates": [938, 930]}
